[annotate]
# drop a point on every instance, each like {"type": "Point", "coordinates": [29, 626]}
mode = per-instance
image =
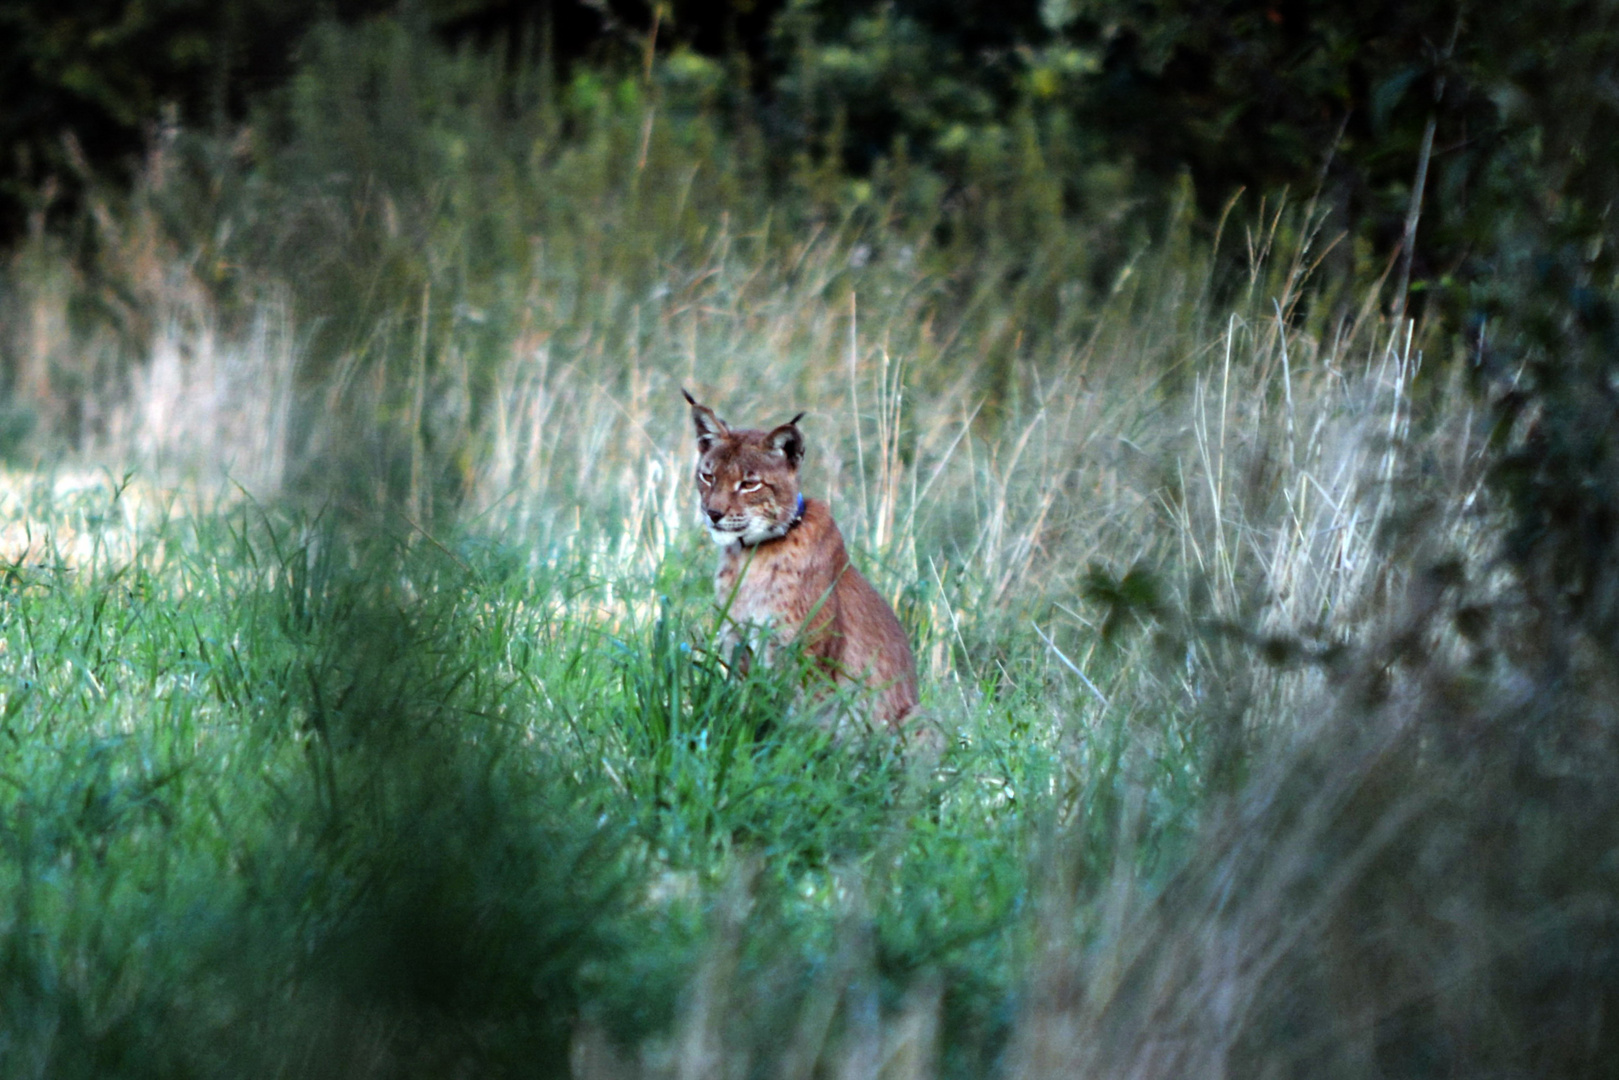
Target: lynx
{"type": "Point", "coordinates": [783, 567]}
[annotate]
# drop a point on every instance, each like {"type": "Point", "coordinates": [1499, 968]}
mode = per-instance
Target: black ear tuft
{"type": "Point", "coordinates": [788, 441]}
{"type": "Point", "coordinates": [710, 428]}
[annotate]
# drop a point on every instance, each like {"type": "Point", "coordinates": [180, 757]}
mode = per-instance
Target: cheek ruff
{"type": "Point", "coordinates": [755, 535]}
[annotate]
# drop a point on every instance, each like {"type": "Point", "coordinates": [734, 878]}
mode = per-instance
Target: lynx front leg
{"type": "Point", "coordinates": [743, 642]}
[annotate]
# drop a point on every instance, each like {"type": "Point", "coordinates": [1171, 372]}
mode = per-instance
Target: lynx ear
{"type": "Point", "coordinates": [788, 441]}
{"type": "Point", "coordinates": [710, 428]}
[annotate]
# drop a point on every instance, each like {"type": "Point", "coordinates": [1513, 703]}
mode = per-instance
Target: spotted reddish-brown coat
{"type": "Point", "coordinates": [784, 567]}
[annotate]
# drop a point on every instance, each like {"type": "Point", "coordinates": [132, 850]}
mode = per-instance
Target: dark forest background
{"type": "Point", "coordinates": [1501, 109]}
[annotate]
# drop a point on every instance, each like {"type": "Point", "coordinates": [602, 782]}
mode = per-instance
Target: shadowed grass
{"type": "Point", "coordinates": [264, 813]}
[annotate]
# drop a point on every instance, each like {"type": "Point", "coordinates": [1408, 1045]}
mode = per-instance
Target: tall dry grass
{"type": "Point", "coordinates": [1246, 452]}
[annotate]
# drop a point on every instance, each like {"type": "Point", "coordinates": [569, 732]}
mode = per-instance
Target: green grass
{"type": "Point", "coordinates": [256, 773]}
{"type": "Point", "coordinates": [239, 789]}
{"type": "Point", "coordinates": [471, 790]}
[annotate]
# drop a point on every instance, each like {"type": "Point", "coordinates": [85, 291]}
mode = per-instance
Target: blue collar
{"type": "Point", "coordinates": [798, 515]}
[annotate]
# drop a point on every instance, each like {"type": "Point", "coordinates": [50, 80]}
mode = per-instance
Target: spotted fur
{"type": "Point", "coordinates": [784, 573]}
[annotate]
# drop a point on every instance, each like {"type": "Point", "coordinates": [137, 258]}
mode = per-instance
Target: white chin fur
{"type": "Point", "coordinates": [756, 532]}
{"type": "Point", "coordinates": [723, 537]}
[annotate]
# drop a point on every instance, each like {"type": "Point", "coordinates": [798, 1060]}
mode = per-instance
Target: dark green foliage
{"type": "Point", "coordinates": [1542, 330]}
{"type": "Point", "coordinates": [1125, 601]}
{"type": "Point", "coordinates": [1420, 886]}
{"type": "Point", "coordinates": [86, 84]}
{"type": "Point", "coordinates": [966, 116]}
{"type": "Point", "coordinates": [464, 886]}
{"type": "Point", "coordinates": [1329, 100]}
{"type": "Point", "coordinates": [1558, 428]}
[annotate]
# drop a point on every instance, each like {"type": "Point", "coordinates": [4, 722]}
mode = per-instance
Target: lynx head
{"type": "Point", "coordinates": [747, 481]}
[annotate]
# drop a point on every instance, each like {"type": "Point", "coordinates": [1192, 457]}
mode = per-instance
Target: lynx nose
{"type": "Point", "coordinates": [716, 515]}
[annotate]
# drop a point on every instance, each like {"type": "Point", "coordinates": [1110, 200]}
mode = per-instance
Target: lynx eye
{"type": "Point", "coordinates": [747, 484]}
{"type": "Point", "coordinates": [705, 478]}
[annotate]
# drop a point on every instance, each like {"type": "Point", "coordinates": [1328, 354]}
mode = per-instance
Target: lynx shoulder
{"type": "Point", "coordinates": [784, 568]}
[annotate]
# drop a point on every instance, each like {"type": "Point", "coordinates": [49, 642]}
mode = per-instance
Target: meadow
{"type": "Point", "coordinates": [361, 712]}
